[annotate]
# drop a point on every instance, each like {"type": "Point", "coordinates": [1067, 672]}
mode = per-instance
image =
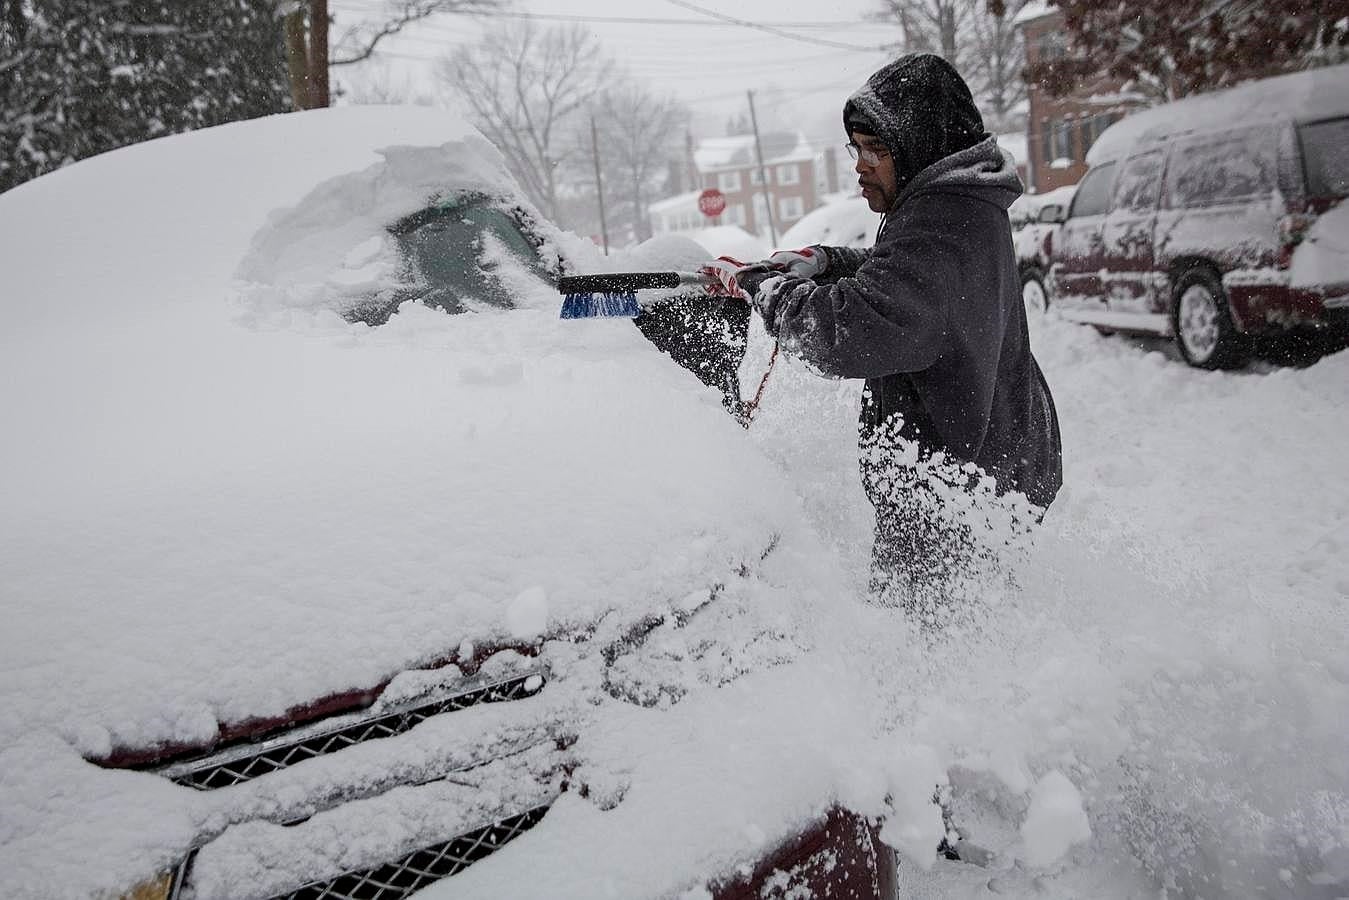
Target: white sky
{"type": "Point", "coordinates": [706, 63]}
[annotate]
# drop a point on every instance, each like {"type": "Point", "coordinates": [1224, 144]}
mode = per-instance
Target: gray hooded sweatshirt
{"type": "Point", "coordinates": [932, 315]}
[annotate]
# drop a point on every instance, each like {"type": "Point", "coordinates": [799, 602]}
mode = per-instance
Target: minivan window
{"type": "Point", "coordinates": [1222, 168]}
{"type": "Point", "coordinates": [1325, 156]}
{"type": "Point", "coordinates": [1139, 183]}
{"type": "Point", "coordinates": [1093, 194]}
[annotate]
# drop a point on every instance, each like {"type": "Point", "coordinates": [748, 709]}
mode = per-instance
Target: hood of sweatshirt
{"type": "Point", "coordinates": [920, 108]}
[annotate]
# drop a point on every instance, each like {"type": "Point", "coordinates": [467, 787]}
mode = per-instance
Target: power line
{"type": "Point", "coordinates": [634, 20]}
{"type": "Point", "coordinates": [655, 36]}
{"type": "Point", "coordinates": [648, 64]}
{"type": "Point", "coordinates": [770, 29]}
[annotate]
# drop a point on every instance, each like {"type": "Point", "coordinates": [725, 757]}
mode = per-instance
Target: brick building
{"type": "Point", "coordinates": [797, 176]}
{"type": "Point", "coordinates": [1059, 130]}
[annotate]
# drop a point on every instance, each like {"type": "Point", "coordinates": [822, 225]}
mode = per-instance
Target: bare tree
{"type": "Point", "coordinates": [636, 129]}
{"type": "Point", "coordinates": [932, 26]}
{"type": "Point", "coordinates": [995, 67]}
{"type": "Point", "coordinates": [523, 88]}
{"type": "Point", "coordinates": [975, 36]}
{"type": "Point", "coordinates": [377, 84]}
{"type": "Point", "coordinates": [307, 39]}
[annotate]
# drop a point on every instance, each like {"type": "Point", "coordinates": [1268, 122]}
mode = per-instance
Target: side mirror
{"type": "Point", "coordinates": [1051, 214]}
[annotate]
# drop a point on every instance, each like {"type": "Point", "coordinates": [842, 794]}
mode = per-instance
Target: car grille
{"type": "Point", "coordinates": [246, 762]}
{"type": "Point", "coordinates": [418, 869]}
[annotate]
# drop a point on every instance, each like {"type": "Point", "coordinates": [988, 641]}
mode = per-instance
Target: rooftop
{"type": "Point", "coordinates": [737, 150]}
{"type": "Point", "coordinates": [1036, 9]}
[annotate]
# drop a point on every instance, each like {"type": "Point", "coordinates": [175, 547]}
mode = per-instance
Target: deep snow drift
{"type": "Point", "coordinates": [1156, 701]}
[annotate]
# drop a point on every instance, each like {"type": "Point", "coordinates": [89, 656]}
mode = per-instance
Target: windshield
{"type": "Point", "coordinates": [454, 250]}
{"type": "Point", "coordinates": [1093, 194]}
{"type": "Point", "coordinates": [1325, 154]}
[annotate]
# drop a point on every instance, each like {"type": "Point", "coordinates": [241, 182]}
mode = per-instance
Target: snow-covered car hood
{"type": "Point", "coordinates": [201, 484]}
{"type": "Point", "coordinates": [222, 500]}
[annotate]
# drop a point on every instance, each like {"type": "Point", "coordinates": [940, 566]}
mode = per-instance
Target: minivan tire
{"type": "Point", "coordinates": [1033, 293]}
{"type": "Point", "coordinates": [1205, 333]}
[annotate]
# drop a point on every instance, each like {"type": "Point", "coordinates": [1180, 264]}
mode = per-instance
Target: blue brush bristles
{"type": "Point", "coordinates": [622, 304]}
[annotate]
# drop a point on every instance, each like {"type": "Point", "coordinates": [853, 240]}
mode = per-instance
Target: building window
{"type": "Point", "coordinates": [728, 181]}
{"type": "Point", "coordinates": [789, 208]}
{"type": "Point", "coordinates": [1061, 141]}
{"type": "Point", "coordinates": [735, 214]}
{"type": "Point", "coordinates": [756, 176]}
{"type": "Point", "coordinates": [1050, 46]}
{"type": "Point", "coordinates": [789, 174]}
{"type": "Point", "coordinates": [1094, 127]}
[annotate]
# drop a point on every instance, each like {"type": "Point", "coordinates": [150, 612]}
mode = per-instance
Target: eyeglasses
{"type": "Point", "coordinates": [866, 154]}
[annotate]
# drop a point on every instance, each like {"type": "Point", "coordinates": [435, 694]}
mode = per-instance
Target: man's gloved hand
{"type": "Point", "coordinates": [734, 278]}
{"type": "Point", "coordinates": [808, 262]}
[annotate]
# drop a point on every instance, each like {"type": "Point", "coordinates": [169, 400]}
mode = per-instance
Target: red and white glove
{"type": "Point", "coordinates": [808, 262]}
{"type": "Point", "coordinates": [725, 269]}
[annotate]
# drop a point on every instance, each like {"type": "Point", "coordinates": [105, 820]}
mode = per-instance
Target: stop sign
{"type": "Point", "coordinates": [711, 202]}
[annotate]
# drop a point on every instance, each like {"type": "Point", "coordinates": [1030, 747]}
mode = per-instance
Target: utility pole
{"type": "Point", "coordinates": [318, 54]}
{"type": "Point", "coordinates": [599, 182]}
{"type": "Point", "coordinates": [763, 175]}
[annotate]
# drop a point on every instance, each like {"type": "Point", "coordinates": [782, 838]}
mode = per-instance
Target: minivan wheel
{"type": "Point", "coordinates": [1033, 293]}
{"type": "Point", "coordinates": [1203, 324]}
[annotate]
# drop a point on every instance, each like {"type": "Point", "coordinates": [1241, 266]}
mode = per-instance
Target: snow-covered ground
{"type": "Point", "coordinates": [1155, 703]}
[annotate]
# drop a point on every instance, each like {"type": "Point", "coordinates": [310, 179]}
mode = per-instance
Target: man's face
{"type": "Point", "coordinates": [880, 184]}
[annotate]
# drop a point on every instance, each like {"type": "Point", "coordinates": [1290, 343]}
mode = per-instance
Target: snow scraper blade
{"type": "Point", "coordinates": [614, 294]}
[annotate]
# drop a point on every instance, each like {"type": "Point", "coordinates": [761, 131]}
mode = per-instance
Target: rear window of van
{"type": "Point", "coordinates": [1222, 168]}
{"type": "Point", "coordinates": [1325, 157]}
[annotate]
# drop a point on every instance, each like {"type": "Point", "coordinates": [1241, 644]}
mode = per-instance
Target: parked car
{"type": "Point", "coordinates": [298, 605]}
{"type": "Point", "coordinates": [1198, 220]}
{"type": "Point", "coordinates": [1035, 220]}
{"type": "Point", "coordinates": [844, 220]}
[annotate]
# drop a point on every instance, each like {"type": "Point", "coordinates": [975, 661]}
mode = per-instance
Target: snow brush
{"type": "Point", "coordinates": [614, 294]}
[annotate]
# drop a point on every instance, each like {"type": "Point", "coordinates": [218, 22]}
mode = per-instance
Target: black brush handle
{"type": "Point", "coordinates": [617, 282]}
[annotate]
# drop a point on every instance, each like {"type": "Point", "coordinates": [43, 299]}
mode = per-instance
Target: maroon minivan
{"type": "Point", "coordinates": [1193, 215]}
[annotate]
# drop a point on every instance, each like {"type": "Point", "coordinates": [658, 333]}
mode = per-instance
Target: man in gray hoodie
{"type": "Point", "coordinates": [931, 316]}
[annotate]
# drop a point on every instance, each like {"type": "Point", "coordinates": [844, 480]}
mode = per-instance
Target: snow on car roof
{"type": "Point", "coordinates": [1300, 96]}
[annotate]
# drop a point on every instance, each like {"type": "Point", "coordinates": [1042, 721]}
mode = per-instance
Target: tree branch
{"type": "Point", "coordinates": [411, 11]}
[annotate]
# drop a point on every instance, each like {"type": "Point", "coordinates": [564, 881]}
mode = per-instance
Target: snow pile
{"type": "Point", "coordinates": [1322, 259]}
{"type": "Point", "coordinates": [1055, 820]}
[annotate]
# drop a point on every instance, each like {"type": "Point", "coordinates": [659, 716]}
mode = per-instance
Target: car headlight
{"type": "Point", "coordinates": [160, 887]}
